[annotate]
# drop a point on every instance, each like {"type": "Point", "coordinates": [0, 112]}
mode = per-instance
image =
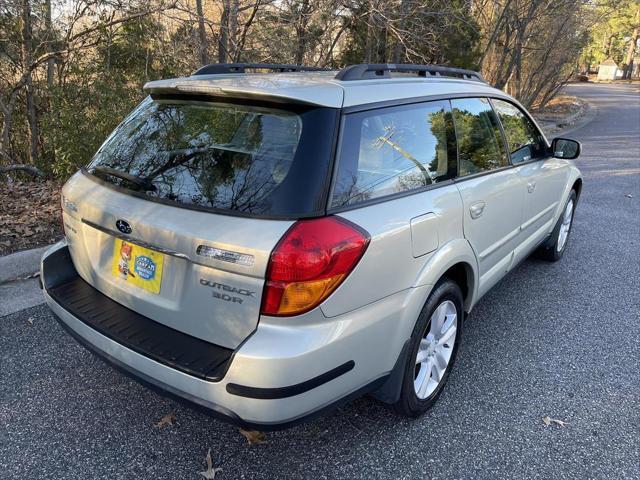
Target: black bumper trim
{"type": "Point", "coordinates": [128, 328]}
{"type": "Point", "coordinates": [291, 390]}
{"type": "Point", "coordinates": [209, 408]}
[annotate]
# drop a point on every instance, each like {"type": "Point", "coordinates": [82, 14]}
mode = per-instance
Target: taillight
{"type": "Point", "coordinates": [309, 263]}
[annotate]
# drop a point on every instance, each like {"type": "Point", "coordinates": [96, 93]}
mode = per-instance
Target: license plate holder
{"type": "Point", "coordinates": [137, 265]}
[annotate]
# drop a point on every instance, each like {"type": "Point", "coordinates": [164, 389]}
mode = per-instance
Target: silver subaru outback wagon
{"type": "Point", "coordinates": [270, 245]}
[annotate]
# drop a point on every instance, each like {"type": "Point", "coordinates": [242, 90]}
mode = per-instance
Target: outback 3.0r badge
{"type": "Point", "coordinates": [226, 288]}
{"type": "Point", "coordinates": [123, 226]}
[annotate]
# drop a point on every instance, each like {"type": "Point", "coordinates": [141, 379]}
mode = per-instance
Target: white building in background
{"type": "Point", "coordinates": [608, 70]}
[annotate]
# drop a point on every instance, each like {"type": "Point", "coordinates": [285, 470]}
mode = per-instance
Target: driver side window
{"type": "Point", "coordinates": [525, 141]}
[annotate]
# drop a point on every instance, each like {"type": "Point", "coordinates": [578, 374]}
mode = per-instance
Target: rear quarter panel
{"type": "Point", "coordinates": [389, 266]}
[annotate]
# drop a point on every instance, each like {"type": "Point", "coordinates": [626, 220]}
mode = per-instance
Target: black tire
{"type": "Point", "coordinates": [549, 250]}
{"type": "Point", "coordinates": [409, 404]}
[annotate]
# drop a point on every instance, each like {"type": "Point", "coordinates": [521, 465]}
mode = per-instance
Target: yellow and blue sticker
{"type": "Point", "coordinates": [137, 265]}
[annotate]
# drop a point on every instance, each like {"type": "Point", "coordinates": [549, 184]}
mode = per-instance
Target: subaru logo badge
{"type": "Point", "coordinates": [123, 226]}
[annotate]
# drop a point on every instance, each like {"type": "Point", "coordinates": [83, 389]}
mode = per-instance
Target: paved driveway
{"type": "Point", "coordinates": [552, 339]}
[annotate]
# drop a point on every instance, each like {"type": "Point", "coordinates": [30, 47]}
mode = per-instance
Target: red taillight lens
{"type": "Point", "coordinates": [309, 263]}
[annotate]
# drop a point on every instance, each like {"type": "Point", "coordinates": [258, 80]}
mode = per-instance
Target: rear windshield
{"type": "Point", "coordinates": [229, 157]}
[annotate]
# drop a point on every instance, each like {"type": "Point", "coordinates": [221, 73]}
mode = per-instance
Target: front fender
{"type": "Point", "coordinates": [574, 175]}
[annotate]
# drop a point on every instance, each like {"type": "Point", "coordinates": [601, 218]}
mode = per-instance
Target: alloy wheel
{"type": "Point", "coordinates": [565, 227]}
{"type": "Point", "coordinates": [436, 349]}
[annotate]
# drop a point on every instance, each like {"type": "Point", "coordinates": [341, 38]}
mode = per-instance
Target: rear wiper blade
{"type": "Point", "coordinates": [143, 183]}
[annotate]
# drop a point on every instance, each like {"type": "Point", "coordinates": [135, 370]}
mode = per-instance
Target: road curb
{"type": "Point", "coordinates": [589, 115]}
{"type": "Point", "coordinates": [570, 122]}
{"type": "Point", "coordinates": [21, 264]}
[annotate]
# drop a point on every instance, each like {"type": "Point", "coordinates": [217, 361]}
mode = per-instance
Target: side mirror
{"type": "Point", "coordinates": [565, 148]}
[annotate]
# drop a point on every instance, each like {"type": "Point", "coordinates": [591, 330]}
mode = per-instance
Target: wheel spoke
{"type": "Point", "coordinates": [422, 390]}
{"type": "Point", "coordinates": [436, 373]}
{"type": "Point", "coordinates": [448, 324]}
{"type": "Point", "coordinates": [441, 361]}
{"type": "Point", "coordinates": [422, 356]}
{"type": "Point", "coordinates": [435, 349]}
{"type": "Point", "coordinates": [437, 319]}
{"type": "Point", "coordinates": [447, 336]}
{"type": "Point", "coordinates": [568, 213]}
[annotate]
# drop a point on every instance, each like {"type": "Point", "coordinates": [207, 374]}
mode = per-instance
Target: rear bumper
{"type": "Point", "coordinates": [283, 374]}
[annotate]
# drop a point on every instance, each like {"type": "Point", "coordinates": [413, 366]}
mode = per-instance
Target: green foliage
{"type": "Point", "coordinates": [99, 79]}
{"type": "Point", "coordinates": [610, 36]}
{"type": "Point", "coordinates": [97, 95]}
{"type": "Point", "coordinates": [81, 116]}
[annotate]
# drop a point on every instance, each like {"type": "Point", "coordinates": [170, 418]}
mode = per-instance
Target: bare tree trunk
{"type": "Point", "coordinates": [610, 45]}
{"type": "Point", "coordinates": [245, 30]}
{"type": "Point", "coordinates": [301, 31]}
{"type": "Point", "coordinates": [398, 49]}
{"type": "Point", "coordinates": [32, 118]}
{"type": "Point", "coordinates": [494, 34]}
{"type": "Point", "coordinates": [223, 35]}
{"type": "Point", "coordinates": [51, 46]}
{"type": "Point", "coordinates": [369, 42]}
{"type": "Point", "coordinates": [233, 28]}
{"type": "Point", "coordinates": [632, 47]}
{"type": "Point", "coordinates": [202, 35]}
{"type": "Point", "coordinates": [7, 124]}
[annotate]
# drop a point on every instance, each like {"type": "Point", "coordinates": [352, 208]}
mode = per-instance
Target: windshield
{"type": "Point", "coordinates": [214, 155]}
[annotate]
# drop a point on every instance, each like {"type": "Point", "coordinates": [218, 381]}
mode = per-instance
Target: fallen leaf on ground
{"type": "Point", "coordinates": [548, 421]}
{"type": "Point", "coordinates": [165, 420]}
{"type": "Point", "coordinates": [30, 320]}
{"type": "Point", "coordinates": [254, 437]}
{"type": "Point", "coordinates": [628, 195]}
{"type": "Point", "coordinates": [210, 472]}
{"type": "Point", "coordinates": [29, 215]}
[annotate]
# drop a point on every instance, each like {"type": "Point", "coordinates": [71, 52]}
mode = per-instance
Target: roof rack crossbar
{"type": "Point", "coordinates": [227, 68]}
{"type": "Point", "coordinates": [368, 71]}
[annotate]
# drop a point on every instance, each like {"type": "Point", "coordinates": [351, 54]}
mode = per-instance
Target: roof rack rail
{"type": "Point", "coordinates": [222, 68]}
{"type": "Point", "coordinates": [367, 71]}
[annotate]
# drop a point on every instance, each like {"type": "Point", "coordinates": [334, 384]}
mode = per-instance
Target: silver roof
{"type": "Point", "coordinates": [317, 88]}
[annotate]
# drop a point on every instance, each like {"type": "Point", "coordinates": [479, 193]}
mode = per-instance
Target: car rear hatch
{"type": "Point", "coordinates": [176, 215]}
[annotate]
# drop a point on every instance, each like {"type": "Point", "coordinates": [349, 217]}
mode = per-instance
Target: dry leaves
{"type": "Point", "coordinates": [29, 215]}
{"type": "Point", "coordinates": [628, 195]}
{"type": "Point", "coordinates": [166, 420]}
{"type": "Point", "coordinates": [548, 421]}
{"type": "Point", "coordinates": [254, 437]}
{"type": "Point", "coordinates": [30, 321]}
{"type": "Point", "coordinates": [210, 472]}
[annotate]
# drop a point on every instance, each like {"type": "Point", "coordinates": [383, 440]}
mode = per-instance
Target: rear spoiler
{"type": "Point", "coordinates": [259, 87]}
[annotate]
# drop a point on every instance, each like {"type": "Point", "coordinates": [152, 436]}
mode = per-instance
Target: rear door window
{"type": "Point", "coordinates": [392, 150]}
{"type": "Point", "coordinates": [524, 139]}
{"type": "Point", "coordinates": [222, 156]}
{"type": "Point", "coordinates": [480, 141]}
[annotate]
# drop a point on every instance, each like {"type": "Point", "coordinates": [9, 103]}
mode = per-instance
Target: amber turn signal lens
{"type": "Point", "coordinates": [309, 263]}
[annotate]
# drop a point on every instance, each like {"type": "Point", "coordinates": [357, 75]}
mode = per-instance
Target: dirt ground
{"type": "Point", "coordinates": [560, 113]}
{"type": "Point", "coordinates": [29, 215]}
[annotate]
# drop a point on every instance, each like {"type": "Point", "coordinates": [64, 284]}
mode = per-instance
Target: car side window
{"type": "Point", "coordinates": [480, 142]}
{"type": "Point", "coordinates": [524, 139]}
{"type": "Point", "coordinates": [392, 150]}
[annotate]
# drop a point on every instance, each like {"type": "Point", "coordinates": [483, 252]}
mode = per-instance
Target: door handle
{"type": "Point", "coordinates": [531, 186]}
{"type": "Point", "coordinates": [477, 209]}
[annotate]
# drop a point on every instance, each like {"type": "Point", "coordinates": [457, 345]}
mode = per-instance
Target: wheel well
{"type": "Point", "coordinates": [462, 274]}
{"type": "Point", "coordinates": [577, 186]}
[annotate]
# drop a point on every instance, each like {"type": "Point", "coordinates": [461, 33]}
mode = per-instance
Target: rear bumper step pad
{"type": "Point", "coordinates": [147, 337]}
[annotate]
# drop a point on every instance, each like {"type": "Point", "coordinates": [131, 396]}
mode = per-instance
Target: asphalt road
{"type": "Point", "coordinates": [552, 339]}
